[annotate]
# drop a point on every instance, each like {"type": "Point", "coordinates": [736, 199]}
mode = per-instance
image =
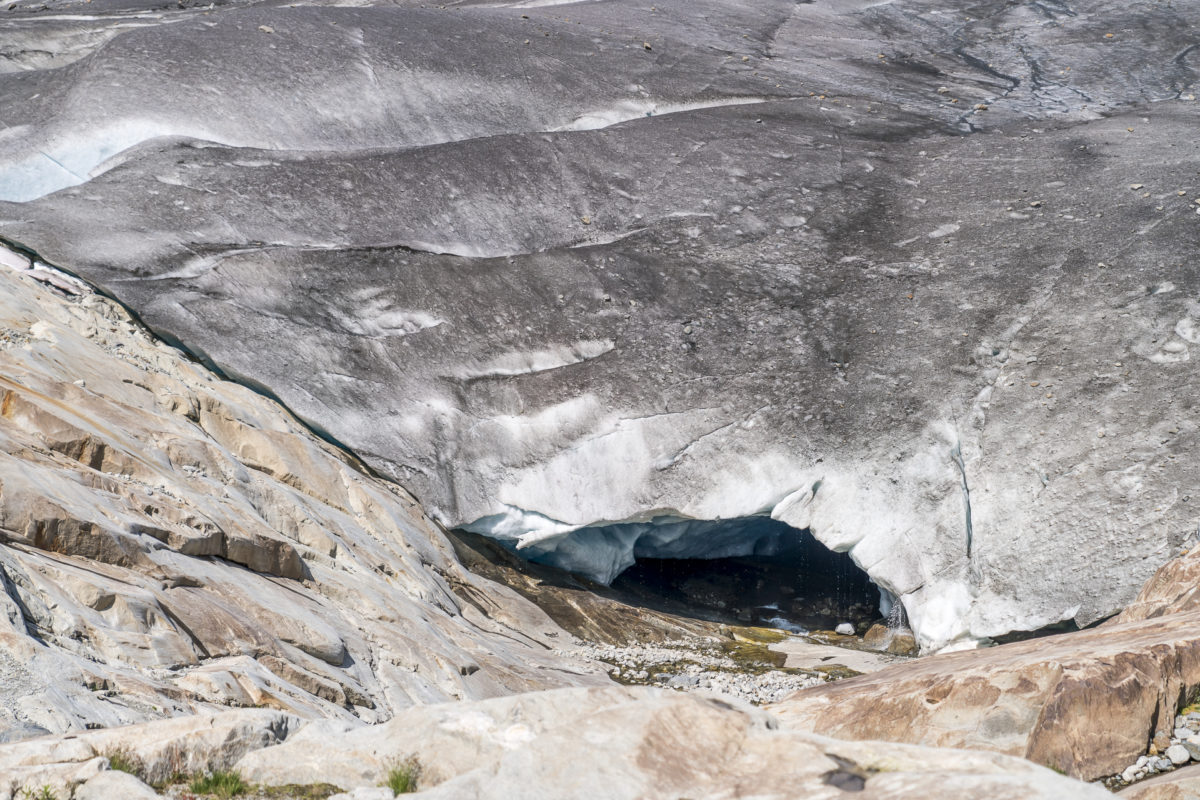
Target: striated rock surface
{"type": "Point", "coordinates": [599, 744]}
{"type": "Point", "coordinates": [916, 277]}
{"type": "Point", "coordinates": [1085, 703]}
{"type": "Point", "coordinates": [1173, 588]}
{"type": "Point", "coordinates": [172, 543]}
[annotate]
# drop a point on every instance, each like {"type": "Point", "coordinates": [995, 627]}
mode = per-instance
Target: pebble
{"type": "Point", "coordinates": [1167, 752]}
{"type": "Point", "coordinates": [1178, 754]}
{"type": "Point", "coordinates": [844, 629]}
{"type": "Point", "coordinates": [693, 665]}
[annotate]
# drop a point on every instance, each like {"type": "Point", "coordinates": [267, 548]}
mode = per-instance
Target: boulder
{"type": "Point", "coordinates": [160, 749]}
{"type": "Point", "coordinates": [1174, 587]}
{"type": "Point", "coordinates": [112, 784]}
{"type": "Point", "coordinates": [897, 641]}
{"type": "Point", "coordinates": [621, 743]}
{"type": "Point", "coordinates": [1085, 703]}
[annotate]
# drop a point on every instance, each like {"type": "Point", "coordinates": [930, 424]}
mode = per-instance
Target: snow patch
{"type": "Point", "coordinates": [14, 260]}
{"type": "Point", "coordinates": [41, 272]}
{"type": "Point", "coordinates": [626, 110]}
{"type": "Point", "coordinates": [376, 318]}
{"type": "Point", "coordinates": [69, 159]}
{"type": "Point", "coordinates": [519, 362]}
{"type": "Point", "coordinates": [944, 230]}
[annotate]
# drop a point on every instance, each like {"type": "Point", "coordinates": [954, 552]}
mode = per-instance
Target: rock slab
{"type": "Point", "coordinates": [1085, 703]}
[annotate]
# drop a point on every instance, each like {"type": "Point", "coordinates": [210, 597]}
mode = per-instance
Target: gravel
{"type": "Point", "coordinates": [696, 665]}
{"type": "Point", "coordinates": [1183, 748]}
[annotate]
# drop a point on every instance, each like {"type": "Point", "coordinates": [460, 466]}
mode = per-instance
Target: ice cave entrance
{"type": "Point", "coordinates": [749, 570]}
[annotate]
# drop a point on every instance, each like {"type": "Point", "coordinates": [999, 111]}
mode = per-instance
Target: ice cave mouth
{"type": "Point", "coordinates": [744, 571]}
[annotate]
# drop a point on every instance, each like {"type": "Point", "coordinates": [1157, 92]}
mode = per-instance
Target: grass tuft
{"type": "Point", "coordinates": [402, 778]}
{"type": "Point", "coordinates": [123, 759]}
{"type": "Point", "coordinates": [43, 793]}
{"type": "Point", "coordinates": [221, 784]}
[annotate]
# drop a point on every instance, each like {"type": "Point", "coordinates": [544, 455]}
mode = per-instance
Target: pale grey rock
{"type": "Point", "coordinates": [1178, 754]}
{"type": "Point", "coordinates": [645, 743]}
{"type": "Point", "coordinates": [111, 785]}
{"type": "Point", "coordinates": [19, 781]}
{"type": "Point", "coordinates": [845, 629]}
{"type": "Point", "coordinates": [602, 744]}
{"type": "Point", "coordinates": [477, 265]}
{"type": "Point", "coordinates": [182, 745]}
{"type": "Point", "coordinates": [623, 743]}
{"type": "Point", "coordinates": [171, 543]}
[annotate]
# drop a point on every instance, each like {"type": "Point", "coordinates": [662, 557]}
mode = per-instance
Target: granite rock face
{"type": "Point", "coordinates": [601, 744]}
{"type": "Point", "coordinates": [1175, 587]}
{"type": "Point", "coordinates": [916, 277]}
{"type": "Point", "coordinates": [172, 543]}
{"type": "Point", "coordinates": [1085, 703]}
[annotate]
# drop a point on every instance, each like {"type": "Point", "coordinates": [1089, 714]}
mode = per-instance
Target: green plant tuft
{"type": "Point", "coordinates": [221, 784]}
{"type": "Point", "coordinates": [402, 778]}
{"type": "Point", "coordinates": [123, 759]}
{"type": "Point", "coordinates": [44, 793]}
{"type": "Point", "coordinates": [293, 791]}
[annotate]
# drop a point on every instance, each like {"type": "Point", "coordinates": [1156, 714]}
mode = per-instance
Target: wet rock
{"type": "Point", "coordinates": [898, 641]}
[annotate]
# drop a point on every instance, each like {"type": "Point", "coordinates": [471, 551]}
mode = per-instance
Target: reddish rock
{"type": "Point", "coordinates": [1174, 588]}
{"type": "Point", "coordinates": [1085, 703]}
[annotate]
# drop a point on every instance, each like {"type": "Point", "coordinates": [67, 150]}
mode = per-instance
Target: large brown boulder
{"type": "Point", "coordinates": [1173, 588]}
{"type": "Point", "coordinates": [1085, 703]}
